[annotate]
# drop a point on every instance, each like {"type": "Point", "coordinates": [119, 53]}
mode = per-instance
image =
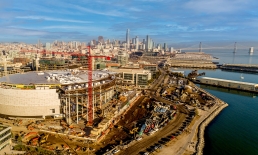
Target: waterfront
{"type": "Point", "coordinates": [234, 130]}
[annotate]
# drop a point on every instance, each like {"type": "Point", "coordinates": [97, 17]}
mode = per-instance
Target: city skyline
{"type": "Point", "coordinates": [169, 21]}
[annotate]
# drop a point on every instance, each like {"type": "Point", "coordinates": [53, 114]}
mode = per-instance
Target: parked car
{"type": "Point", "coordinates": [115, 151]}
{"type": "Point", "coordinates": [157, 146]}
{"type": "Point", "coordinates": [139, 138]}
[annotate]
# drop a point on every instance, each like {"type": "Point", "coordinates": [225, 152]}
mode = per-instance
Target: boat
{"type": "Point", "coordinates": [241, 76]}
{"type": "Point", "coordinates": [251, 49]}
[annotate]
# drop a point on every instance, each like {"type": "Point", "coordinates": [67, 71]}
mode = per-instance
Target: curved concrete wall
{"type": "Point", "coordinates": [18, 102]}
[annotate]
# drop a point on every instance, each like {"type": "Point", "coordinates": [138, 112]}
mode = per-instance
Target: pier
{"type": "Point", "coordinates": [191, 64]}
{"type": "Point", "coordinates": [238, 85]}
{"type": "Point", "coordinates": [240, 67]}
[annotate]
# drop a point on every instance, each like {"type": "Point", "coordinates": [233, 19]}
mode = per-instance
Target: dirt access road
{"type": "Point", "coordinates": [147, 141]}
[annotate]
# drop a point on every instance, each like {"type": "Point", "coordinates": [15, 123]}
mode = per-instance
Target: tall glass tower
{"type": "Point", "coordinates": [165, 47]}
{"type": "Point", "coordinates": [137, 43]}
{"type": "Point", "coordinates": [127, 38]}
{"type": "Point", "coordinates": [147, 42]}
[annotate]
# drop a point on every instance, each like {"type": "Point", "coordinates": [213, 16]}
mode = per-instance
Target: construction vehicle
{"type": "Point", "coordinates": [43, 139]}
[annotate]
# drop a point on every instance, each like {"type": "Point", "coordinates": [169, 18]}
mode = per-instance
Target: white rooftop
{"type": "Point", "coordinates": [232, 81]}
{"type": "Point", "coordinates": [54, 77]}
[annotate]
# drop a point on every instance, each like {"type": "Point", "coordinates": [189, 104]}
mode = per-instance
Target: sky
{"type": "Point", "coordinates": [170, 21]}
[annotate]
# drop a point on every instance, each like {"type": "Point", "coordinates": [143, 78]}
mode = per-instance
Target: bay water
{"type": "Point", "coordinates": [235, 130]}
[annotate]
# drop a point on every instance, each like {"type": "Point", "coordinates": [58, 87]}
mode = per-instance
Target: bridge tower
{"type": "Point", "coordinates": [200, 47]}
{"type": "Point", "coordinates": [235, 48]}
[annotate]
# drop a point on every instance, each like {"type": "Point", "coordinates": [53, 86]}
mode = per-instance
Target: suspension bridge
{"type": "Point", "coordinates": [201, 46]}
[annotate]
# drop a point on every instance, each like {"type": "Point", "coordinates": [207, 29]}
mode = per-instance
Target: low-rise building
{"type": "Point", "coordinates": [122, 58]}
{"type": "Point", "coordinates": [151, 67]}
{"type": "Point", "coordinates": [137, 77]}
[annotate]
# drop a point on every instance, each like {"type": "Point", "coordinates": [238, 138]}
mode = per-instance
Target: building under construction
{"type": "Point", "coordinates": [60, 93]}
{"type": "Point", "coordinates": [59, 63]}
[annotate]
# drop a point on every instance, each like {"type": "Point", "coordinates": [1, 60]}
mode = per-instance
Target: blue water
{"type": "Point", "coordinates": [235, 130]}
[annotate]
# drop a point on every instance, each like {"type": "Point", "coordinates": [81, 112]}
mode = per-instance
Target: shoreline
{"type": "Point", "coordinates": [192, 141]}
{"type": "Point", "coordinates": [202, 126]}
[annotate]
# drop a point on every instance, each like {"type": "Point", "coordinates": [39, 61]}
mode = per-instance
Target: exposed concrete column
{"type": "Point", "coordinates": [93, 104]}
{"type": "Point", "coordinates": [66, 109]}
{"type": "Point", "coordinates": [100, 99]}
{"type": "Point", "coordinates": [62, 104]}
{"type": "Point", "coordinates": [133, 77]}
{"type": "Point", "coordinates": [82, 105]}
{"type": "Point", "coordinates": [106, 96]}
{"type": "Point", "coordinates": [136, 82]}
{"type": "Point", "coordinates": [69, 113]}
{"type": "Point", "coordinates": [88, 107]}
{"type": "Point", "coordinates": [77, 107]}
{"type": "Point", "coordinates": [113, 91]}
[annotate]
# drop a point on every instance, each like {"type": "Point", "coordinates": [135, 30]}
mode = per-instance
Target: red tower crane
{"type": "Point", "coordinates": [90, 88]}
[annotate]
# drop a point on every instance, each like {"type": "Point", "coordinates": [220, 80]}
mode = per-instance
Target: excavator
{"type": "Point", "coordinates": [43, 139]}
{"type": "Point", "coordinates": [126, 130]}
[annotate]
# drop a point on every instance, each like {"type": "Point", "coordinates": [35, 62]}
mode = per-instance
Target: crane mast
{"type": "Point", "coordinates": [90, 91]}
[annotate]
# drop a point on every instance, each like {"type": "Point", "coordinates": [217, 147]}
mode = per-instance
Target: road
{"type": "Point", "coordinates": [195, 127]}
{"type": "Point", "coordinates": [147, 141]}
{"type": "Point", "coordinates": [170, 128]}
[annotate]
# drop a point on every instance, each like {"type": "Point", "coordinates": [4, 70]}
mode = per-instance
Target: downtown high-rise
{"type": "Point", "coordinates": [127, 38]}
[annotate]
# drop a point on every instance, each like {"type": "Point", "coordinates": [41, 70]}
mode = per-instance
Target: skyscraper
{"type": "Point", "coordinates": [127, 38]}
{"type": "Point", "coordinates": [150, 44]}
{"type": "Point", "coordinates": [147, 42]}
{"type": "Point", "coordinates": [133, 41]}
{"type": "Point", "coordinates": [165, 47]}
{"type": "Point", "coordinates": [101, 39]}
{"type": "Point", "coordinates": [48, 46]}
{"type": "Point", "coordinates": [94, 42]}
{"type": "Point", "coordinates": [137, 43]}
{"type": "Point", "coordinates": [171, 49]}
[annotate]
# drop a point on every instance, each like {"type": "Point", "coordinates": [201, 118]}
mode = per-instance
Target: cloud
{"type": "Point", "coordinates": [217, 6]}
{"type": "Point", "coordinates": [134, 9]}
{"type": "Point", "coordinates": [113, 12]}
{"type": "Point", "coordinates": [42, 9]}
{"type": "Point", "coordinates": [158, 1]}
{"type": "Point", "coordinates": [177, 27]}
{"type": "Point", "coordinates": [52, 19]}
{"type": "Point", "coordinates": [71, 27]}
{"type": "Point", "coordinates": [22, 32]}
{"type": "Point", "coordinates": [218, 29]}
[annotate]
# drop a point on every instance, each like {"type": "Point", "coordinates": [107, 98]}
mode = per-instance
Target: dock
{"type": "Point", "coordinates": [238, 85]}
{"type": "Point", "coordinates": [252, 68]}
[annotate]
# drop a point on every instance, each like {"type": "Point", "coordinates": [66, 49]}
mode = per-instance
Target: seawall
{"type": "Point", "coordinates": [201, 128]}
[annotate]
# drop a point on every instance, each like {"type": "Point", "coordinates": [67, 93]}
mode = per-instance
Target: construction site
{"type": "Point", "coordinates": [72, 111]}
{"type": "Point", "coordinates": [122, 121]}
